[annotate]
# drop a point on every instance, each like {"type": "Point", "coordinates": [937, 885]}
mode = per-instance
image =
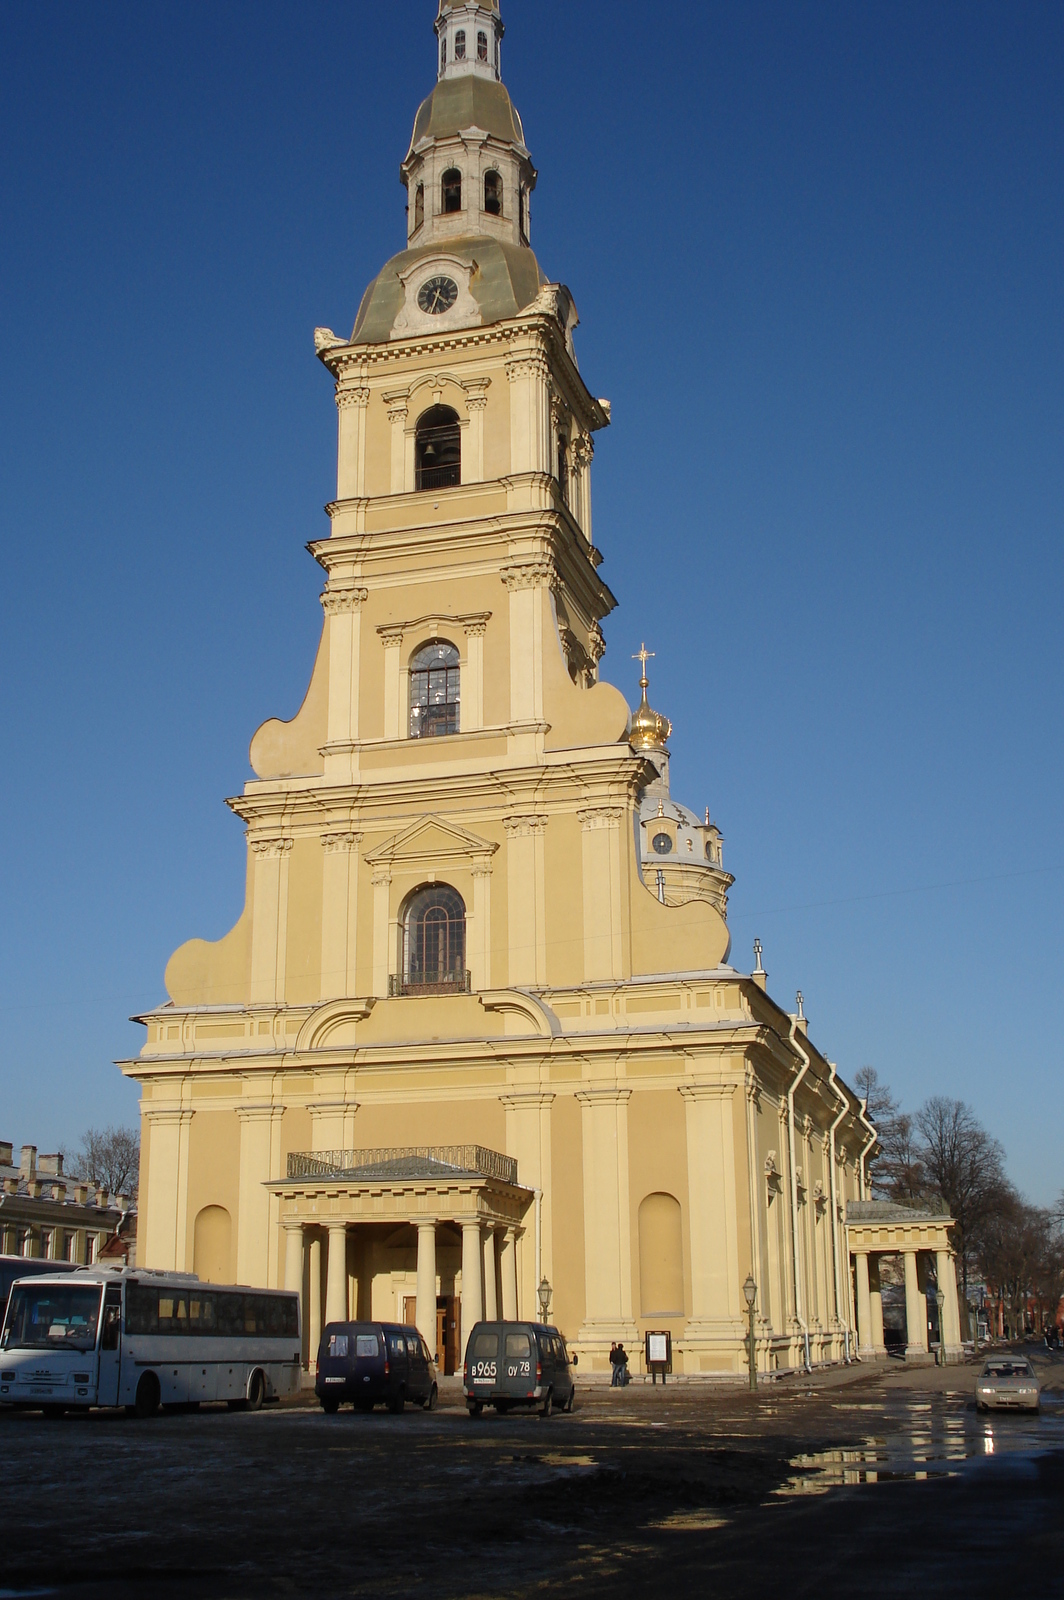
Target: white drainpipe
{"type": "Point", "coordinates": [843, 1318]}
{"type": "Point", "coordinates": [539, 1240]}
{"type": "Point", "coordinates": [799, 1296]}
{"type": "Point", "coordinates": [864, 1153]}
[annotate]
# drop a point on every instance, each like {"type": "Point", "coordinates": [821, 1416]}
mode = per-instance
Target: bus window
{"type": "Point", "coordinates": [173, 1312]}
{"type": "Point", "coordinates": [52, 1318]}
{"type": "Point", "coordinates": [112, 1320]}
{"type": "Point", "coordinates": [366, 1344]}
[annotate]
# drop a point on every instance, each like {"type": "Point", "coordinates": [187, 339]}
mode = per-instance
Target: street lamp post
{"type": "Point", "coordinates": [543, 1293]}
{"type": "Point", "coordinates": [940, 1301]}
{"type": "Point", "coordinates": [750, 1296]}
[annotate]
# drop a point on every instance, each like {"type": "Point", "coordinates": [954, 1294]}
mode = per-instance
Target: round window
{"type": "Point", "coordinates": [662, 844]}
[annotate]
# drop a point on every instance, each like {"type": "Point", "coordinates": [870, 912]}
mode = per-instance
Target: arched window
{"type": "Point", "coordinates": [459, 45]}
{"type": "Point", "coordinates": [437, 449]}
{"type": "Point", "coordinates": [522, 205]}
{"type": "Point", "coordinates": [434, 942]}
{"type": "Point", "coordinates": [435, 691]}
{"type": "Point", "coordinates": [419, 206]}
{"type": "Point", "coordinates": [493, 194]}
{"type": "Point", "coordinates": [482, 46]}
{"type": "Point", "coordinates": [661, 1256]}
{"type": "Point", "coordinates": [443, 52]}
{"type": "Point", "coordinates": [451, 184]}
{"type": "Point", "coordinates": [563, 467]}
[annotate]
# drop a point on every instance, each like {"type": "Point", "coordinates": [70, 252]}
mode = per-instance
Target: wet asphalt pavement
{"type": "Point", "coordinates": [874, 1483]}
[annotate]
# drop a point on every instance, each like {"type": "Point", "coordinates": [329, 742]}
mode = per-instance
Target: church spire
{"type": "Point", "coordinates": [470, 39]}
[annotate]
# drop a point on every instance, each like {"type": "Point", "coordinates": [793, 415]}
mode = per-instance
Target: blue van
{"type": "Point", "coordinates": [365, 1364]}
{"type": "Point", "coordinates": [511, 1365]}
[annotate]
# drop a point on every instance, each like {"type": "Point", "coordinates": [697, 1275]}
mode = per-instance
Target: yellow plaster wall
{"type": "Point", "coordinates": [303, 953]}
{"type": "Point", "coordinates": [213, 1175]}
{"type": "Point", "coordinates": [657, 1164]}
{"type": "Point", "coordinates": [567, 1214]}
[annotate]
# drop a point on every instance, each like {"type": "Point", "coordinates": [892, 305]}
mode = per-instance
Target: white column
{"type": "Point", "coordinates": [473, 678]}
{"type": "Point", "coordinates": [339, 914]}
{"type": "Point", "coordinates": [600, 848]}
{"type": "Point", "coordinates": [397, 413]}
{"type": "Point", "coordinates": [865, 1336]}
{"type": "Point", "coordinates": [314, 1294]}
{"type": "Point", "coordinates": [508, 1265]}
{"type": "Point", "coordinates": [351, 443]}
{"type": "Point", "coordinates": [382, 953]}
{"type": "Point", "coordinates": [491, 1302]}
{"type": "Point", "coordinates": [336, 1289]}
{"type": "Point", "coordinates": [395, 725]}
{"type": "Point", "coordinates": [915, 1309]}
{"type": "Point", "coordinates": [472, 1302]}
{"type": "Point", "coordinates": [293, 1256]}
{"type": "Point", "coordinates": [875, 1289]}
{"type": "Point", "coordinates": [946, 1276]}
{"type": "Point", "coordinates": [269, 920]}
{"type": "Point", "coordinates": [426, 1283]}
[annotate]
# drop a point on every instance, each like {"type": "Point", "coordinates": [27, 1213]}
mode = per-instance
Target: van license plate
{"type": "Point", "coordinates": [334, 1380]}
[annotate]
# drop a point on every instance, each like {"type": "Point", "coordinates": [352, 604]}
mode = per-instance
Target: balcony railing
{"type": "Point", "coordinates": [430, 983]}
{"type": "Point", "coordinates": [411, 1161]}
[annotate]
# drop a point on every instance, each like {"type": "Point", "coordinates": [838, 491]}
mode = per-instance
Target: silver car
{"type": "Point", "coordinates": [1007, 1383]}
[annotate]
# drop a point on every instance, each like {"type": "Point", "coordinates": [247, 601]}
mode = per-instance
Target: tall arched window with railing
{"type": "Point", "coordinates": [435, 691]}
{"type": "Point", "coordinates": [482, 47]}
{"type": "Point", "coordinates": [451, 191]}
{"type": "Point", "coordinates": [434, 943]}
{"type": "Point", "coordinates": [459, 45]}
{"type": "Point", "coordinates": [437, 449]}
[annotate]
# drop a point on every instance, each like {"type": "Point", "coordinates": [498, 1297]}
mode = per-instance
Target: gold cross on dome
{"type": "Point", "coordinates": [644, 655]}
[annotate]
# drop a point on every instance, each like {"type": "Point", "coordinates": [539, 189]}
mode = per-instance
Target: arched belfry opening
{"type": "Point", "coordinates": [493, 193]}
{"type": "Point", "coordinates": [451, 191]}
{"type": "Point", "coordinates": [438, 449]}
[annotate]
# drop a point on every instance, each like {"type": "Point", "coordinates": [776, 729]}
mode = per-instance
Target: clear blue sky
{"type": "Point", "coordinates": [817, 253]}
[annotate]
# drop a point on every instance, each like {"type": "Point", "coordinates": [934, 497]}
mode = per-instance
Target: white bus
{"type": "Point", "coordinates": [121, 1336]}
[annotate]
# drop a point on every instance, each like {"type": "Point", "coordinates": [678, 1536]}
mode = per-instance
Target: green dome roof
{"type": "Point", "coordinates": [508, 278]}
{"type": "Point", "coordinates": [468, 102]}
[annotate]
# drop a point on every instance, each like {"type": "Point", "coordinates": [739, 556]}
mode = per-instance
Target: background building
{"type": "Point", "coordinates": [475, 1032]}
{"type": "Point", "coordinates": [46, 1214]}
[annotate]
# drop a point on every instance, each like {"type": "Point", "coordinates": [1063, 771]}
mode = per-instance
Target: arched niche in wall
{"type": "Point", "coordinates": [660, 1256]}
{"type": "Point", "coordinates": [213, 1243]}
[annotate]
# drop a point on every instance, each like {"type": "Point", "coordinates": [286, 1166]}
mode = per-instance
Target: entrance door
{"type": "Point", "coordinates": [448, 1315]}
{"type": "Point", "coordinates": [110, 1346]}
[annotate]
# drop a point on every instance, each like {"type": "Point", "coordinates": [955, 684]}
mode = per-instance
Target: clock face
{"type": "Point", "coordinates": [662, 844]}
{"type": "Point", "coordinates": [437, 295]}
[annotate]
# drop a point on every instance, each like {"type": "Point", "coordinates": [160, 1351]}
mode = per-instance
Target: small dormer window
{"type": "Point", "coordinates": [419, 206]}
{"type": "Point", "coordinates": [482, 47]}
{"type": "Point", "coordinates": [459, 45]}
{"type": "Point", "coordinates": [443, 52]}
{"type": "Point", "coordinates": [493, 194]}
{"type": "Point", "coordinates": [452, 190]}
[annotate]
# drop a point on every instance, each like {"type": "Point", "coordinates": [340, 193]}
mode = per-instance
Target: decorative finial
{"type": "Point", "coordinates": [757, 942]}
{"type": "Point", "coordinates": [661, 808]}
{"type": "Point", "coordinates": [800, 997]}
{"type": "Point", "coordinates": [644, 655]}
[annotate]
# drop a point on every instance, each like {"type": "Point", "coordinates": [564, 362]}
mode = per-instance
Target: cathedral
{"type": "Point", "coordinates": [474, 1046]}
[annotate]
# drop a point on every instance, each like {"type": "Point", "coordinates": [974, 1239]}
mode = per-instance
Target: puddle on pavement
{"type": "Point", "coordinates": [936, 1444]}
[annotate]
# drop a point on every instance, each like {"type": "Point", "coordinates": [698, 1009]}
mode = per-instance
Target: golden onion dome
{"type": "Point", "coordinates": [650, 730]}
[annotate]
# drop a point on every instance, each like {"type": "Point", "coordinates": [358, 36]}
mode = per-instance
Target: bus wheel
{"type": "Point", "coordinates": [147, 1401]}
{"type": "Point", "coordinates": [330, 1407]}
{"type": "Point", "coordinates": [256, 1391]}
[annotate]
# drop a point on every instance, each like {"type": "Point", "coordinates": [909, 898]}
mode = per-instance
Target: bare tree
{"type": "Point", "coordinates": [109, 1158]}
{"type": "Point", "coordinates": [897, 1172]}
{"type": "Point", "coordinates": [964, 1166]}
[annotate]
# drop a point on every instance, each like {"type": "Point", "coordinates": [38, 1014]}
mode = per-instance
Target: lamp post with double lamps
{"type": "Point", "coordinates": [543, 1294]}
{"type": "Point", "coordinates": [750, 1296]}
{"type": "Point", "coordinates": [940, 1301]}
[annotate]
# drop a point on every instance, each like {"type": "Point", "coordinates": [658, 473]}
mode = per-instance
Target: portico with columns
{"type": "Point", "coordinates": [876, 1229]}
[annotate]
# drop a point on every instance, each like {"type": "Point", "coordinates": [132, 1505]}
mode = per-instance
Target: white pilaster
{"type": "Point", "coordinates": [473, 681]}
{"type": "Point", "coordinates": [339, 913]}
{"type": "Point", "coordinates": [394, 709]}
{"type": "Point", "coordinates": [253, 1220]}
{"type": "Point", "coordinates": [351, 443]}
{"type": "Point", "coordinates": [269, 922]}
{"type": "Point", "coordinates": [607, 1224]}
{"type": "Point", "coordinates": [382, 954]}
{"type": "Point", "coordinates": [601, 855]}
{"type": "Point", "coordinates": [715, 1276]}
{"type": "Point", "coordinates": [526, 896]}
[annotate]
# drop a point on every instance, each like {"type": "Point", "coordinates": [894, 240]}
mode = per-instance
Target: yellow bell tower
{"type": "Point", "coordinates": [407, 1076]}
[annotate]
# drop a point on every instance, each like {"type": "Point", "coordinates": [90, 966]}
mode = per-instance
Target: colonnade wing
{"type": "Point", "coordinates": [875, 1229]}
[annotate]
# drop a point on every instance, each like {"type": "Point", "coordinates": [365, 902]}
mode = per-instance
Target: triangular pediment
{"type": "Point", "coordinates": [431, 840]}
